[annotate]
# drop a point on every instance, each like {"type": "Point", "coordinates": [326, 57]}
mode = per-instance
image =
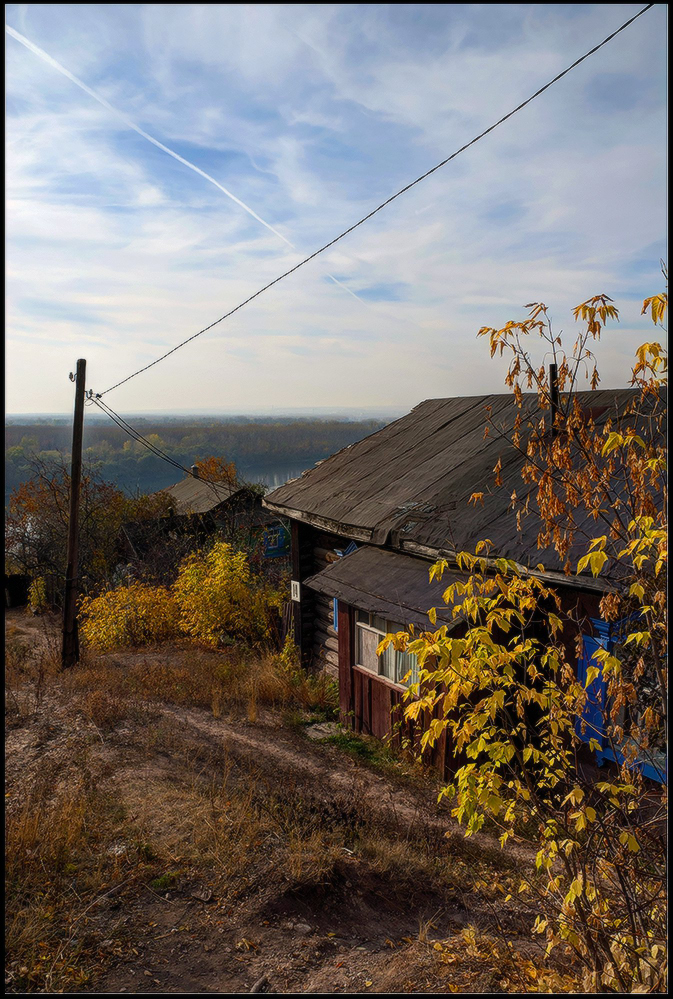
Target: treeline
{"type": "Point", "coordinates": [131, 466]}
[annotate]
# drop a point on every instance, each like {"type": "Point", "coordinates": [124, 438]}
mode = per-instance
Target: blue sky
{"type": "Point", "coordinates": [310, 115]}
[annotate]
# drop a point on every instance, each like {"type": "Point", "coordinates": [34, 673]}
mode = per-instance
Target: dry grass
{"type": "Point", "coordinates": [29, 664]}
{"type": "Point", "coordinates": [191, 675]}
{"type": "Point", "coordinates": [142, 811]}
{"type": "Point", "coordinates": [56, 867]}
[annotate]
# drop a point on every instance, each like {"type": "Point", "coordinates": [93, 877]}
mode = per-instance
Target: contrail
{"type": "Point", "coordinates": [36, 50]}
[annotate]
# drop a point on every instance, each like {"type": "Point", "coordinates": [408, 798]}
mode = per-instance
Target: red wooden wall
{"type": "Point", "coordinates": [372, 705]}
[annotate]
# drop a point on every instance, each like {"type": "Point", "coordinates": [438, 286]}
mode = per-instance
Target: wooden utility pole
{"type": "Point", "coordinates": [70, 651]}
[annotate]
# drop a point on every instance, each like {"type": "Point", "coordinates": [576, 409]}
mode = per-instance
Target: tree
{"type": "Point", "coordinates": [512, 701]}
{"type": "Point", "coordinates": [217, 470]}
{"type": "Point", "coordinates": [37, 524]}
{"type": "Point", "coordinates": [220, 597]}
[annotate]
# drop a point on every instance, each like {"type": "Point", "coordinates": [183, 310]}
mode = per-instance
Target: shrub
{"type": "Point", "coordinates": [37, 596]}
{"type": "Point", "coordinates": [136, 614]}
{"type": "Point", "coordinates": [219, 597]}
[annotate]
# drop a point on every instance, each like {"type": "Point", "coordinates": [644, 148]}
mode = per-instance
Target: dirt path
{"type": "Point", "coordinates": [232, 852]}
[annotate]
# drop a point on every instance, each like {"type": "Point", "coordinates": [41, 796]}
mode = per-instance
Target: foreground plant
{"type": "Point", "coordinates": [506, 690]}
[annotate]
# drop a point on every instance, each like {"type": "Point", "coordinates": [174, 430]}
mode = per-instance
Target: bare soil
{"type": "Point", "coordinates": [235, 854]}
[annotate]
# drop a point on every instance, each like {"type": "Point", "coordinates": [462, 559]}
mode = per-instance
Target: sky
{"type": "Point", "coordinates": [122, 241]}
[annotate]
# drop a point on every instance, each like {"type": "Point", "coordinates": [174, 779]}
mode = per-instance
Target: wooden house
{"type": "Point", "coordinates": [198, 508]}
{"type": "Point", "coordinates": [368, 522]}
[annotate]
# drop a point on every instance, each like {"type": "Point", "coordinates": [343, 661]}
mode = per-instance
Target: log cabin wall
{"type": "Point", "coordinates": [315, 634]}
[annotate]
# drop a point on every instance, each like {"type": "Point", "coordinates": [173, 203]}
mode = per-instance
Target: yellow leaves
{"type": "Point", "coordinates": [37, 595]}
{"type": "Point", "coordinates": [595, 312]}
{"type": "Point", "coordinates": [639, 637]}
{"type": "Point", "coordinates": [656, 306]}
{"type": "Point", "coordinates": [628, 840]}
{"type": "Point", "coordinates": [214, 595]}
{"type": "Point", "coordinates": [130, 615]}
{"type": "Point", "coordinates": [613, 441]}
{"type": "Point", "coordinates": [217, 470]}
{"type": "Point", "coordinates": [575, 796]}
{"type": "Point", "coordinates": [477, 498]}
{"type": "Point", "coordinates": [592, 673]}
{"type": "Point", "coordinates": [575, 890]}
{"type": "Point", "coordinates": [218, 596]}
{"type": "Point", "coordinates": [595, 560]}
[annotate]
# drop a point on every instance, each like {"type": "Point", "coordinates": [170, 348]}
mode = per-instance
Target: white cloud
{"type": "Point", "coordinates": [312, 115]}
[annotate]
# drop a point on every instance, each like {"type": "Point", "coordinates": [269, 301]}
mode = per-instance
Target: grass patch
{"type": "Point", "coordinates": [191, 675]}
{"type": "Point", "coordinates": [56, 866]}
{"type": "Point", "coordinates": [372, 751]}
{"type": "Point", "coordinates": [165, 881]}
{"type": "Point", "coordinates": [384, 757]}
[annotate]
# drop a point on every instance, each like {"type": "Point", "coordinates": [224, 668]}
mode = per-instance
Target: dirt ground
{"type": "Point", "coordinates": [234, 856]}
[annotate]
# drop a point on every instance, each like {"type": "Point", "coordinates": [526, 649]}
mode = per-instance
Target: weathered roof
{"type": "Point", "coordinates": [408, 485]}
{"type": "Point", "coordinates": [387, 583]}
{"type": "Point", "coordinates": [192, 495]}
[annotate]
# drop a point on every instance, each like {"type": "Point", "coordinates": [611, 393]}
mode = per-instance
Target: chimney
{"type": "Point", "coordinates": [195, 471]}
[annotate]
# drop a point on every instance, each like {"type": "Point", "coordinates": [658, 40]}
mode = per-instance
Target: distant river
{"type": "Point", "coordinates": [274, 474]}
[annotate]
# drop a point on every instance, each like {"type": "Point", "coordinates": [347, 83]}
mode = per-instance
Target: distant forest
{"type": "Point", "coordinates": [252, 444]}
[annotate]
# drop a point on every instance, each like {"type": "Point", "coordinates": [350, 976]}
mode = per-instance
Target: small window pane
{"type": "Point", "coordinates": [388, 662]}
{"type": "Point", "coordinates": [367, 642]}
{"type": "Point", "coordinates": [363, 617]}
{"type": "Point", "coordinates": [406, 663]}
{"type": "Point", "coordinates": [379, 623]}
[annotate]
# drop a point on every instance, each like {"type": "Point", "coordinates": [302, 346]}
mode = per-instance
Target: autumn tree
{"type": "Point", "coordinates": [37, 524]}
{"type": "Point", "coordinates": [214, 469]}
{"type": "Point", "coordinates": [518, 715]}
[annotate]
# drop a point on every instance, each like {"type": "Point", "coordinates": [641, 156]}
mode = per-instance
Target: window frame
{"type": "Point", "coordinates": [391, 628]}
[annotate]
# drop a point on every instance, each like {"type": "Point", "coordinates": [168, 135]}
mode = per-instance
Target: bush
{"type": "Point", "coordinates": [37, 596]}
{"type": "Point", "coordinates": [219, 597]}
{"type": "Point", "coordinates": [130, 615]}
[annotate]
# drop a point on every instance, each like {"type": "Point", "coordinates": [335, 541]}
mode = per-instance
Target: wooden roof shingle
{"type": "Point", "coordinates": [408, 485]}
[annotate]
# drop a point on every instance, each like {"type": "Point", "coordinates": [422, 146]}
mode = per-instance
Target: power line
{"type": "Point", "coordinates": [137, 436]}
{"type": "Point", "coordinates": [383, 205]}
{"type": "Point", "coordinates": [153, 448]}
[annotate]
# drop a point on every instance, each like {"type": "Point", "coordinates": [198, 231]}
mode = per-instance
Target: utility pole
{"type": "Point", "coordinates": [70, 651]}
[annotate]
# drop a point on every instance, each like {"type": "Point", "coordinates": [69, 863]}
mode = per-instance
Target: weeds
{"type": "Point", "coordinates": [164, 804]}
{"type": "Point", "coordinates": [27, 670]}
{"type": "Point", "coordinates": [189, 675]}
{"type": "Point", "coordinates": [55, 868]}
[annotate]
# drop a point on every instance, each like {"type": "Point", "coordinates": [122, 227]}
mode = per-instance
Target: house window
{"type": "Point", "coordinates": [276, 541]}
{"type": "Point", "coordinates": [591, 727]}
{"type": "Point", "coordinates": [370, 630]}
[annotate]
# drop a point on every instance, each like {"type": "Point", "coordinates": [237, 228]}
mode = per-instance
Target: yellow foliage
{"type": "Point", "coordinates": [37, 595]}
{"type": "Point", "coordinates": [508, 693]}
{"type": "Point", "coordinates": [130, 615]}
{"type": "Point", "coordinates": [219, 598]}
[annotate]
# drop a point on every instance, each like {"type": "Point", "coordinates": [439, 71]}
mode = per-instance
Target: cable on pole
{"type": "Point", "coordinates": [153, 448]}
